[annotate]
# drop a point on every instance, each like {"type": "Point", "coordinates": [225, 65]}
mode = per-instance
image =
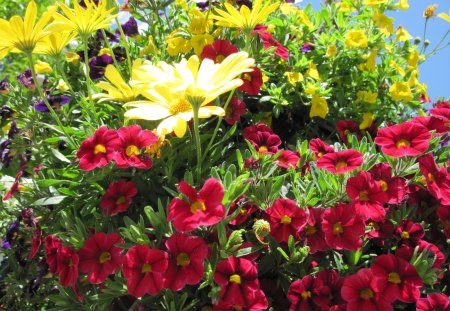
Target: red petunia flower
{"type": "Point", "coordinates": [380, 231]}
{"type": "Point", "coordinates": [362, 293]}
{"type": "Point", "coordinates": [433, 123]}
{"type": "Point", "coordinates": [262, 138]}
{"type": "Point", "coordinates": [132, 141]}
{"type": "Point", "coordinates": [99, 257]}
{"type": "Point", "coordinates": [367, 196]}
{"type": "Point", "coordinates": [269, 41]}
{"type": "Point", "coordinates": [342, 227]}
{"type": "Point", "coordinates": [252, 82]}
{"type": "Point", "coordinates": [286, 218]}
{"type": "Point", "coordinates": [260, 127]}
{"type": "Point", "coordinates": [309, 293]}
{"type": "Point", "coordinates": [218, 50]}
{"type": "Point", "coordinates": [332, 280]}
{"type": "Point", "coordinates": [143, 268]}
{"type": "Point", "coordinates": [14, 188]}
{"type": "Point", "coordinates": [186, 257]}
{"type": "Point", "coordinates": [394, 187]}
{"type": "Point", "coordinates": [443, 213]}
{"type": "Point", "coordinates": [246, 209]}
{"type": "Point", "coordinates": [442, 109]}
{"type": "Point", "coordinates": [287, 159]}
{"type": "Point", "coordinates": [117, 197]}
{"type": "Point", "coordinates": [52, 244]}
{"type": "Point", "coordinates": [67, 266]}
{"type": "Point", "coordinates": [437, 178]}
{"type": "Point", "coordinates": [347, 127]}
{"type": "Point", "coordinates": [236, 277]}
{"type": "Point", "coordinates": [410, 232]}
{"type": "Point", "coordinates": [398, 277]}
{"type": "Point", "coordinates": [312, 232]}
{"type": "Point", "coordinates": [405, 139]}
{"type": "Point", "coordinates": [36, 242]}
{"type": "Point", "coordinates": [341, 162]}
{"type": "Point", "coordinates": [236, 108]}
{"type": "Point", "coordinates": [433, 302]}
{"type": "Point", "coordinates": [319, 147]}
{"type": "Point", "coordinates": [99, 149]}
{"type": "Point", "coordinates": [254, 301]}
{"type": "Point", "coordinates": [202, 208]}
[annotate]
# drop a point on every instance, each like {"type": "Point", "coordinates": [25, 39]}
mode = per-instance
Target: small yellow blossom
{"type": "Point", "coordinates": [331, 50]}
{"type": "Point", "coordinates": [402, 34]}
{"type": "Point", "coordinates": [367, 121]}
{"type": "Point", "coordinates": [421, 112]}
{"type": "Point", "coordinates": [154, 150]}
{"type": "Point", "coordinates": [6, 128]}
{"type": "Point", "coordinates": [371, 62]}
{"type": "Point", "coordinates": [62, 86]}
{"type": "Point", "coordinates": [384, 23]}
{"type": "Point", "coordinates": [303, 18]}
{"type": "Point", "coordinates": [346, 6]}
{"type": "Point", "coordinates": [413, 78]}
{"type": "Point", "coordinates": [182, 3]}
{"type": "Point", "coordinates": [294, 77]}
{"type": "Point", "coordinates": [149, 48]}
{"type": "Point", "coordinates": [402, 5]}
{"type": "Point", "coordinates": [397, 68]}
{"type": "Point", "coordinates": [401, 91]}
{"type": "Point", "coordinates": [319, 107]}
{"type": "Point", "coordinates": [430, 11]}
{"type": "Point", "coordinates": [265, 78]}
{"type": "Point", "coordinates": [356, 39]}
{"type": "Point", "coordinates": [117, 88]}
{"type": "Point", "coordinates": [73, 58]}
{"type": "Point", "coordinates": [367, 97]}
{"type": "Point", "coordinates": [310, 89]}
{"type": "Point", "coordinates": [42, 67]}
{"type": "Point", "coordinates": [104, 51]}
{"type": "Point", "coordinates": [313, 72]}
{"type": "Point", "coordinates": [199, 24]}
{"type": "Point", "coordinates": [198, 42]}
{"type": "Point", "coordinates": [374, 2]}
{"type": "Point", "coordinates": [177, 45]}
{"type": "Point", "coordinates": [413, 59]}
{"type": "Point", "coordinates": [444, 16]}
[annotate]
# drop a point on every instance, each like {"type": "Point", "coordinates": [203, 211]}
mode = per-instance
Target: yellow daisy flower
{"type": "Point", "coordinates": [118, 89]}
{"type": "Point", "coordinates": [54, 44]}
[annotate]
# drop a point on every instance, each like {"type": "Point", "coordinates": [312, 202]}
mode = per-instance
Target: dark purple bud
{"type": "Point", "coordinates": [97, 66]}
{"type": "Point", "coordinates": [130, 28]}
{"type": "Point", "coordinates": [13, 130]}
{"type": "Point", "coordinates": [11, 234]}
{"type": "Point", "coordinates": [307, 47]}
{"type": "Point", "coordinates": [5, 153]}
{"type": "Point", "coordinates": [4, 86]}
{"type": "Point", "coordinates": [6, 112]}
{"type": "Point", "coordinates": [112, 37]}
{"type": "Point", "coordinates": [56, 101]}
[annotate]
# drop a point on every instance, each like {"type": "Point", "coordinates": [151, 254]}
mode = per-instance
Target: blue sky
{"type": "Point", "coordinates": [435, 71]}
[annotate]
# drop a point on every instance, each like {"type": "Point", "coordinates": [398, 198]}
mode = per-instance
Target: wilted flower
{"type": "Point", "coordinates": [26, 79]}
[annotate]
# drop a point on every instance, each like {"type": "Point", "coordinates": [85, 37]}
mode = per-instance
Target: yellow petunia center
{"type": "Point", "coordinates": [104, 257]}
{"type": "Point", "coordinates": [366, 294]}
{"type": "Point", "coordinates": [243, 211]}
{"type": "Point", "coordinates": [179, 106]}
{"type": "Point", "coordinates": [197, 205]}
{"type": "Point", "coordinates": [383, 185]}
{"type": "Point", "coordinates": [183, 259]}
{"type": "Point", "coordinates": [146, 268]}
{"type": "Point", "coordinates": [285, 220]}
{"type": "Point", "coordinates": [402, 143]}
{"type": "Point", "coordinates": [235, 278]}
{"type": "Point", "coordinates": [120, 200]}
{"type": "Point", "coordinates": [320, 154]}
{"type": "Point", "coordinates": [305, 295]}
{"type": "Point", "coordinates": [337, 228]}
{"type": "Point", "coordinates": [394, 277]}
{"type": "Point", "coordinates": [363, 196]}
{"type": "Point", "coordinates": [374, 225]}
{"type": "Point", "coordinates": [220, 58]}
{"type": "Point", "coordinates": [247, 77]}
{"type": "Point", "coordinates": [310, 230]}
{"type": "Point", "coordinates": [404, 235]}
{"type": "Point", "coordinates": [132, 150]}
{"type": "Point", "coordinates": [340, 165]}
{"type": "Point", "coordinates": [99, 149]}
{"type": "Point", "coordinates": [431, 177]}
{"type": "Point", "coordinates": [263, 149]}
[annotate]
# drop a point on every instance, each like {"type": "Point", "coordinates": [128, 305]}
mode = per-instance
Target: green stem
{"type": "Point", "coordinates": [219, 121]}
{"type": "Point", "coordinates": [105, 38]}
{"type": "Point", "coordinates": [63, 75]}
{"type": "Point", "coordinates": [198, 145]}
{"type": "Point", "coordinates": [86, 66]}
{"type": "Point", "coordinates": [424, 34]}
{"type": "Point", "coordinates": [47, 104]}
{"type": "Point", "coordinates": [126, 46]}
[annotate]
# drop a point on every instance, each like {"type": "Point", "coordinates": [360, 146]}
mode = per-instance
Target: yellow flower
{"type": "Point", "coordinates": [401, 91]}
{"type": "Point", "coordinates": [429, 11]}
{"type": "Point", "coordinates": [42, 67]}
{"type": "Point", "coordinates": [356, 39]}
{"type": "Point", "coordinates": [181, 3]}
{"type": "Point", "coordinates": [199, 24]}
{"type": "Point", "coordinates": [118, 89]}
{"type": "Point", "coordinates": [367, 97]}
{"type": "Point", "coordinates": [346, 7]}
{"type": "Point", "coordinates": [367, 121]}
{"type": "Point", "coordinates": [413, 78]}
{"type": "Point", "coordinates": [313, 72]}
{"type": "Point", "coordinates": [304, 19]}
{"type": "Point", "coordinates": [73, 58]}
{"type": "Point", "coordinates": [149, 48]}
{"type": "Point", "coordinates": [54, 43]}
{"type": "Point", "coordinates": [175, 89]}
{"type": "Point", "coordinates": [444, 16]}
{"type": "Point", "coordinates": [198, 42]}
{"type": "Point", "coordinates": [371, 62]}
{"type": "Point", "coordinates": [413, 59]}
{"type": "Point", "coordinates": [177, 45]}
{"type": "Point", "coordinates": [374, 2]}
{"type": "Point", "coordinates": [17, 35]}
{"type": "Point", "coordinates": [294, 77]}
{"type": "Point", "coordinates": [384, 23]}
{"type": "Point", "coordinates": [84, 21]}
{"type": "Point", "coordinates": [402, 34]}
{"type": "Point", "coordinates": [331, 50]}
{"type": "Point", "coordinates": [62, 86]}
{"type": "Point", "coordinates": [319, 107]}
{"type": "Point", "coordinates": [397, 68]}
{"type": "Point", "coordinates": [104, 51]}
{"type": "Point", "coordinates": [402, 5]}
{"type": "Point", "coordinates": [245, 19]}
{"type": "Point", "coordinates": [310, 89]}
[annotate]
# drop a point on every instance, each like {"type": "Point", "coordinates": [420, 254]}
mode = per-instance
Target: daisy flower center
{"type": "Point", "coordinates": [104, 257]}
{"type": "Point", "coordinates": [337, 228]}
{"type": "Point", "coordinates": [394, 277]}
{"type": "Point", "coordinates": [340, 165]}
{"type": "Point", "coordinates": [146, 268]}
{"type": "Point", "coordinates": [197, 205]}
{"type": "Point", "coordinates": [99, 148]}
{"type": "Point", "coordinates": [132, 150]}
{"type": "Point", "coordinates": [235, 278]}
{"type": "Point", "coordinates": [402, 143]}
{"type": "Point", "coordinates": [366, 293]}
{"type": "Point", "coordinates": [285, 220]}
{"type": "Point", "coordinates": [179, 106]}
{"type": "Point", "coordinates": [183, 259]}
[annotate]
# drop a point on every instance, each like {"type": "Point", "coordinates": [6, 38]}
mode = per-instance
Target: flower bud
{"type": "Point", "coordinates": [261, 227]}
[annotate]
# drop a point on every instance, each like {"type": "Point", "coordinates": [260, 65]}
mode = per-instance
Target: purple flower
{"type": "Point", "coordinates": [130, 28]}
{"type": "Point", "coordinates": [56, 101]}
{"type": "Point", "coordinates": [28, 218]}
{"type": "Point", "coordinates": [97, 66]}
{"type": "Point", "coordinates": [26, 79]}
{"type": "Point", "coordinates": [11, 235]}
{"type": "Point", "coordinates": [13, 130]}
{"type": "Point", "coordinates": [5, 153]}
{"type": "Point", "coordinates": [83, 4]}
{"type": "Point", "coordinates": [204, 5]}
{"type": "Point", "coordinates": [4, 86]}
{"type": "Point", "coordinates": [111, 36]}
{"type": "Point", "coordinates": [307, 47]}
{"type": "Point", "coordinates": [6, 112]}
{"type": "Point", "coordinates": [247, 3]}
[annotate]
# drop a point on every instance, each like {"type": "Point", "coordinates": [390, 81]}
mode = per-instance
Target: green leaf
{"type": "Point", "coordinates": [59, 155]}
{"type": "Point", "coordinates": [50, 200]}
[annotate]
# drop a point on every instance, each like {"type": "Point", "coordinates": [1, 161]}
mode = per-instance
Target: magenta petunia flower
{"type": "Point", "coordinates": [252, 82]}
{"type": "Point", "coordinates": [67, 266]}
{"type": "Point", "coordinates": [433, 302]}
{"type": "Point", "coordinates": [287, 159]}
{"type": "Point", "coordinates": [341, 162]}
{"type": "Point", "coordinates": [52, 244]}
{"type": "Point", "coordinates": [312, 232]}
{"type": "Point", "coordinates": [437, 178]}
{"type": "Point", "coordinates": [309, 293]}
{"type": "Point", "coordinates": [236, 108]}
{"type": "Point", "coordinates": [319, 147]}
{"type": "Point", "coordinates": [218, 50]}
{"type": "Point", "coordinates": [269, 41]}
{"type": "Point", "coordinates": [117, 197]}
{"type": "Point", "coordinates": [394, 187]}
{"type": "Point", "coordinates": [347, 127]}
